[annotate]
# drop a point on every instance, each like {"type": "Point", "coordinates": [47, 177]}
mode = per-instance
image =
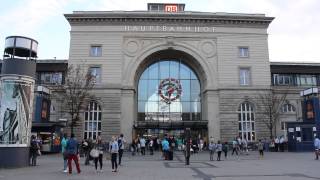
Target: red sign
{"type": "Point", "coordinates": [171, 8]}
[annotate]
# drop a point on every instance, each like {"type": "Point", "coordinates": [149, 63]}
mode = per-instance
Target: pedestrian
{"type": "Point", "coordinates": [64, 142]}
{"type": "Point", "coordinates": [260, 148]}
{"type": "Point", "coordinates": [234, 146]}
{"type": "Point", "coordinates": [73, 153]}
{"type": "Point", "coordinates": [165, 148]}
{"type": "Point", "coordinates": [114, 149]}
{"type": "Point", "coordinates": [281, 143]}
{"type": "Point", "coordinates": [99, 147]}
{"type": "Point", "coordinates": [219, 150]}
{"type": "Point", "coordinates": [212, 149]}
{"type": "Point", "coordinates": [143, 145]}
{"type": "Point", "coordinates": [225, 149]}
{"type": "Point", "coordinates": [121, 142]}
{"type": "Point", "coordinates": [86, 150]}
{"type": "Point", "coordinates": [316, 147]}
{"type": "Point", "coordinates": [244, 145]}
{"type": "Point", "coordinates": [276, 144]}
{"type": "Point", "coordinates": [34, 149]}
{"type": "Point", "coordinates": [151, 146]}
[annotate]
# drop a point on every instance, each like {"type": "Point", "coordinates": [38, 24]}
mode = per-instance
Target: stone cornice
{"type": "Point", "coordinates": [215, 19]}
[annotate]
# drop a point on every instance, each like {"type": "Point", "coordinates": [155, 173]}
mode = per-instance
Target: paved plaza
{"type": "Point", "coordinates": [275, 166]}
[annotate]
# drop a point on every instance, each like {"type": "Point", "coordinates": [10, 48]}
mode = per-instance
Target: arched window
{"type": "Point", "coordinates": [169, 90]}
{"type": "Point", "coordinates": [246, 121]}
{"type": "Point", "coordinates": [287, 108]}
{"type": "Point", "coordinates": [92, 121]}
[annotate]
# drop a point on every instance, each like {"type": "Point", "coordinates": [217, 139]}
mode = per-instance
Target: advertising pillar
{"type": "Point", "coordinates": [16, 100]}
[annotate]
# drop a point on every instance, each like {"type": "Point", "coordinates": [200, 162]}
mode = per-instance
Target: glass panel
{"type": "Point", "coordinates": [153, 90]}
{"type": "Point", "coordinates": [85, 126]}
{"type": "Point", "coordinates": [86, 116]}
{"type": "Point", "coordinates": [154, 71]}
{"type": "Point", "coordinates": [184, 72]}
{"type": "Point", "coordinates": [144, 74]}
{"type": "Point", "coordinates": [195, 90]}
{"type": "Point", "coordinates": [141, 106]}
{"type": "Point", "coordinates": [195, 106]}
{"type": "Point", "coordinates": [185, 95]}
{"type": "Point", "coordinates": [175, 107]}
{"type": "Point", "coordinates": [164, 70]}
{"type": "Point", "coordinates": [174, 69]}
{"type": "Point", "coordinates": [142, 90]}
{"type": "Point", "coordinates": [99, 126]}
{"type": "Point", "coordinates": [99, 118]}
{"type": "Point", "coordinates": [85, 135]}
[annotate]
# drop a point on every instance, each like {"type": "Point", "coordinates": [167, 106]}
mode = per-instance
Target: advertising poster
{"type": "Point", "coordinates": [15, 111]}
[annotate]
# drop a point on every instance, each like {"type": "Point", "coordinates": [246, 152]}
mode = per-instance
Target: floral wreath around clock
{"type": "Point", "coordinates": [169, 90]}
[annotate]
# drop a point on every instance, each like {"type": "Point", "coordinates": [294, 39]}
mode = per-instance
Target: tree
{"type": "Point", "coordinates": [76, 91]}
{"type": "Point", "coordinates": [270, 108]}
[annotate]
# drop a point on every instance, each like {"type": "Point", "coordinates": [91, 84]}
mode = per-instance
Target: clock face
{"type": "Point", "coordinates": [169, 90]}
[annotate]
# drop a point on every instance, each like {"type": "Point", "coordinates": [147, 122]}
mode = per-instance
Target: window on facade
{"type": "Point", "coordinates": [92, 121]}
{"type": "Point", "coordinates": [307, 80]}
{"type": "Point", "coordinates": [246, 117]}
{"type": "Point", "coordinates": [288, 108]}
{"type": "Point", "coordinates": [168, 90]}
{"type": "Point", "coordinates": [244, 76]}
{"type": "Point", "coordinates": [54, 78]}
{"type": "Point", "coordinates": [96, 73]}
{"type": "Point", "coordinates": [96, 51]}
{"type": "Point", "coordinates": [283, 79]}
{"type": "Point", "coordinates": [243, 52]}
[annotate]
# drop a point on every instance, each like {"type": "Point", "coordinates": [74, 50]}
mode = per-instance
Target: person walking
{"type": "Point", "coordinates": [165, 148]}
{"type": "Point", "coordinates": [143, 145]}
{"type": "Point", "coordinates": [64, 142]}
{"type": "Point", "coordinates": [121, 142]}
{"type": "Point", "coordinates": [260, 148]}
{"type": "Point", "coordinates": [151, 146]}
{"type": "Point", "coordinates": [34, 148]}
{"type": "Point", "coordinates": [114, 150]}
{"type": "Point", "coordinates": [234, 146]}
{"type": "Point", "coordinates": [73, 153]}
{"type": "Point", "coordinates": [225, 149]}
{"type": "Point", "coordinates": [316, 147]}
{"type": "Point", "coordinates": [219, 150]}
{"type": "Point", "coordinates": [99, 148]}
{"type": "Point", "coordinates": [212, 149]}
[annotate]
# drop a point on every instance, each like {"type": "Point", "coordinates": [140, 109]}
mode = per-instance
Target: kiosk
{"type": "Point", "coordinates": [301, 134]}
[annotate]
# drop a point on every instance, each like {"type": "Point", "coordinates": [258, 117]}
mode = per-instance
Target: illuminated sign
{"type": "Point", "coordinates": [171, 8]}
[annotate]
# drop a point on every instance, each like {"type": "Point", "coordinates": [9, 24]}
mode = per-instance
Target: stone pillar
{"type": "Point", "coordinates": [17, 87]}
{"type": "Point", "coordinates": [211, 113]}
{"type": "Point", "coordinates": [128, 114]}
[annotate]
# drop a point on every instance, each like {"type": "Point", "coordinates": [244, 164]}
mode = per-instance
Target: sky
{"type": "Point", "coordinates": [294, 34]}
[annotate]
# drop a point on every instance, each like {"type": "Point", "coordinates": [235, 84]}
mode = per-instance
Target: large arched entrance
{"type": "Point", "coordinates": [169, 97]}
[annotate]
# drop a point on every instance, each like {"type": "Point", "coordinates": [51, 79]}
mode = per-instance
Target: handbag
{"type": "Point", "coordinates": [94, 153]}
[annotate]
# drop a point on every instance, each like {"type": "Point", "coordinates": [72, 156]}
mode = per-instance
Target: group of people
{"type": "Point", "coordinates": [93, 150]}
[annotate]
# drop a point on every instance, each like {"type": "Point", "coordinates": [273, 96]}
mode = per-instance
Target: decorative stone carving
{"type": "Point", "coordinates": [131, 47]}
{"type": "Point", "coordinates": [208, 48]}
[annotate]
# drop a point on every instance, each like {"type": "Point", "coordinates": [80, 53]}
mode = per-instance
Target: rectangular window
{"type": "Point", "coordinates": [243, 52]}
{"type": "Point", "coordinates": [96, 72]}
{"type": "Point", "coordinates": [244, 76]}
{"type": "Point", "coordinates": [96, 51]}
